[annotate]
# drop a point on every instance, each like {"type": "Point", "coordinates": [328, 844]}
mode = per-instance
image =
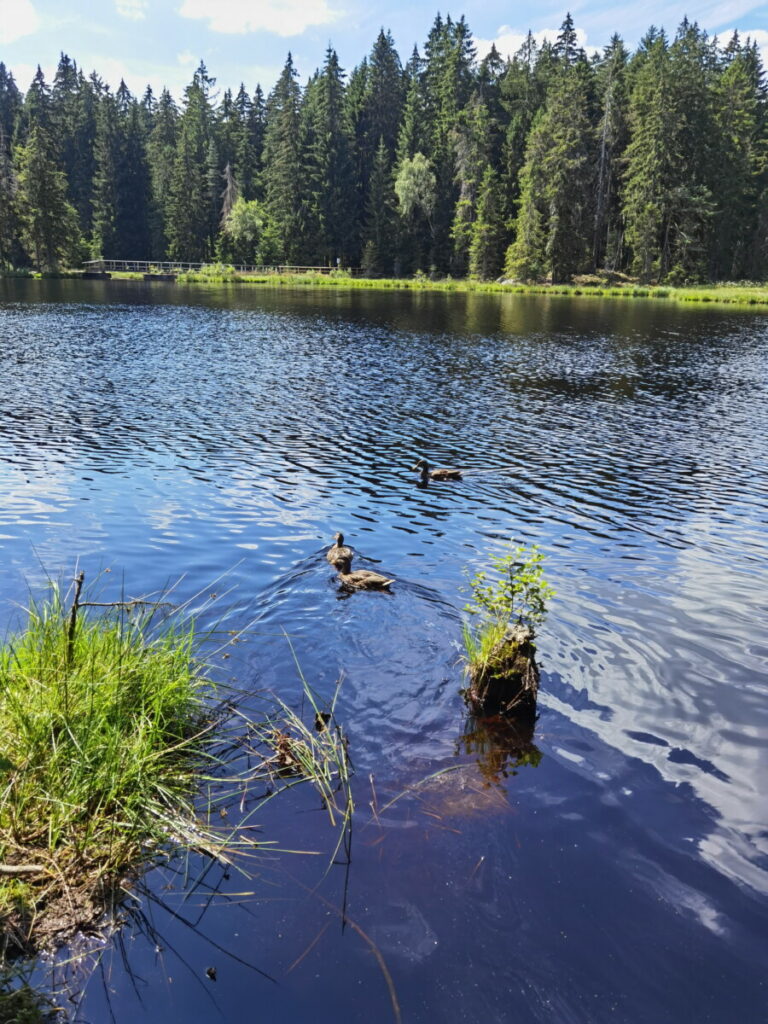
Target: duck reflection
{"type": "Point", "coordinates": [503, 745]}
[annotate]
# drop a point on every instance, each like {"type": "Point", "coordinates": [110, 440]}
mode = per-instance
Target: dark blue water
{"type": "Point", "coordinates": [165, 434]}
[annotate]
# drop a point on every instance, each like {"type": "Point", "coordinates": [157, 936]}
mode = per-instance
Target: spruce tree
{"type": "Point", "coordinates": [473, 147]}
{"type": "Point", "coordinates": [9, 226]}
{"type": "Point", "coordinates": [553, 223]}
{"type": "Point", "coordinates": [329, 165]}
{"type": "Point", "coordinates": [161, 154]}
{"type": "Point", "coordinates": [10, 105]}
{"type": "Point", "coordinates": [740, 155]}
{"type": "Point", "coordinates": [283, 167]}
{"type": "Point", "coordinates": [48, 222]}
{"type": "Point", "coordinates": [486, 250]}
{"type": "Point", "coordinates": [380, 232]}
{"type": "Point", "coordinates": [104, 243]}
{"type": "Point", "coordinates": [189, 212]}
{"type": "Point", "coordinates": [612, 139]}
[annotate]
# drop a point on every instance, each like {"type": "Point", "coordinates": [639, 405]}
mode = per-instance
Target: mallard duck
{"type": "Point", "coordinates": [360, 579]}
{"type": "Point", "coordinates": [338, 550]}
{"type": "Point", "coordinates": [445, 473]}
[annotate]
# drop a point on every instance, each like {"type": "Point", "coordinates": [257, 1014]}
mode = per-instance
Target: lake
{"type": "Point", "coordinates": [219, 437]}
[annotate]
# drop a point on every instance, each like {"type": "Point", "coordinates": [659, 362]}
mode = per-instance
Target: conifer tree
{"type": "Point", "coordinates": [741, 154]}
{"type": "Point", "coordinates": [329, 166]}
{"type": "Point", "coordinates": [668, 203]}
{"type": "Point", "coordinates": [104, 244]}
{"type": "Point", "coordinates": [380, 233]}
{"type": "Point", "coordinates": [133, 186]}
{"type": "Point", "coordinates": [9, 227]}
{"type": "Point", "coordinates": [48, 222]}
{"type": "Point", "coordinates": [190, 210]}
{"type": "Point", "coordinates": [521, 97]}
{"type": "Point", "coordinates": [553, 223]}
{"type": "Point", "coordinates": [473, 156]}
{"type": "Point", "coordinates": [161, 153]}
{"type": "Point", "coordinates": [612, 138]}
{"type": "Point", "coordinates": [283, 167]}
{"type": "Point", "coordinates": [10, 105]}
{"type": "Point", "coordinates": [486, 250]}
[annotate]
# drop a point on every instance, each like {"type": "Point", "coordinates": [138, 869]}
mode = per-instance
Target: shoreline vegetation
{"type": "Point", "coordinates": [118, 752]}
{"type": "Point", "coordinates": [540, 164]}
{"type": "Point", "coordinates": [748, 293]}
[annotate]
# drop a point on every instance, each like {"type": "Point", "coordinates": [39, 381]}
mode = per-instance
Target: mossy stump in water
{"type": "Point", "coordinates": [506, 682]}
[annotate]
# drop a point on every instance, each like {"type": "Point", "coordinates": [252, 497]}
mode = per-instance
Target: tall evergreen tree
{"type": "Point", "coordinates": [10, 105]}
{"type": "Point", "coordinates": [667, 197]}
{"type": "Point", "coordinates": [486, 250]}
{"type": "Point", "coordinates": [161, 154]}
{"type": "Point", "coordinates": [329, 165]}
{"type": "Point", "coordinates": [741, 154]}
{"type": "Point", "coordinates": [190, 210]}
{"type": "Point", "coordinates": [380, 233]}
{"type": "Point", "coordinates": [473, 156]}
{"type": "Point", "coordinates": [283, 167]}
{"type": "Point", "coordinates": [553, 223]}
{"type": "Point", "coordinates": [448, 76]}
{"type": "Point", "coordinates": [9, 226]}
{"type": "Point", "coordinates": [612, 139]}
{"type": "Point", "coordinates": [48, 221]}
{"type": "Point", "coordinates": [105, 243]}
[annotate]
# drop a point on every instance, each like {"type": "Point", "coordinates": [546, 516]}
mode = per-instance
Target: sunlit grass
{"type": "Point", "coordinates": [735, 294]}
{"type": "Point", "coordinates": [104, 727]}
{"type": "Point", "coordinates": [315, 752]}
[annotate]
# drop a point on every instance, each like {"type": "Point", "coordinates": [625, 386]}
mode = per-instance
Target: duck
{"type": "Point", "coordinates": [338, 550]}
{"type": "Point", "coordinates": [360, 579]}
{"type": "Point", "coordinates": [444, 473]}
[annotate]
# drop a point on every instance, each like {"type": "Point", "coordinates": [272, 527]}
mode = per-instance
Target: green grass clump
{"type": "Point", "coordinates": [102, 742]}
{"type": "Point", "coordinates": [515, 591]}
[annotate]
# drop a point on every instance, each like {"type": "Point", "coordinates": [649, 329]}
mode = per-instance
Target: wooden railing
{"type": "Point", "coordinates": [179, 267]}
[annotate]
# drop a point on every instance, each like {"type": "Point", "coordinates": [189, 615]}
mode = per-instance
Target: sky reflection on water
{"type": "Point", "coordinates": [171, 431]}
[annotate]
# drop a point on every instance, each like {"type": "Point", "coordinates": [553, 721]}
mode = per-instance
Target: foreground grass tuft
{"type": "Point", "coordinates": [103, 735]}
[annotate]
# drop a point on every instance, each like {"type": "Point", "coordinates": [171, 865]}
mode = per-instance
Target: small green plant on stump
{"type": "Point", "coordinates": [509, 604]}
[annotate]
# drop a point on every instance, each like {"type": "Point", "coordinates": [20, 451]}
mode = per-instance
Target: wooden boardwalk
{"type": "Point", "coordinates": [164, 267]}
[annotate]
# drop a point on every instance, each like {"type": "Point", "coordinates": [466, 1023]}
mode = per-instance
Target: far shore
{"type": "Point", "coordinates": [730, 293]}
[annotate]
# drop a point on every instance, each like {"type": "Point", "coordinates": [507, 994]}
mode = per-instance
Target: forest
{"type": "Point", "coordinates": [549, 164]}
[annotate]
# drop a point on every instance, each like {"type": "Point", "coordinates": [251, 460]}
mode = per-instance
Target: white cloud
{"type": "Point", "coordinates": [185, 59]}
{"type": "Point", "coordinates": [508, 42]}
{"type": "Point", "coordinates": [136, 10]}
{"type": "Point", "coordinates": [282, 17]}
{"type": "Point", "coordinates": [17, 18]}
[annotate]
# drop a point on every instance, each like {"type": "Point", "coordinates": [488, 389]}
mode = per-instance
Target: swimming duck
{"type": "Point", "coordinates": [338, 550]}
{"type": "Point", "coordinates": [445, 473]}
{"type": "Point", "coordinates": [360, 579]}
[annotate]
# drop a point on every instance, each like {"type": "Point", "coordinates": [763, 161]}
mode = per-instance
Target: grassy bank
{"type": "Point", "coordinates": [729, 293]}
{"type": "Point", "coordinates": [104, 726]}
{"type": "Point", "coordinates": [751, 294]}
{"type": "Point", "coordinates": [116, 753]}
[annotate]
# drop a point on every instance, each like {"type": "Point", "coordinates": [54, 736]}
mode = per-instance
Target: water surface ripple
{"type": "Point", "coordinates": [164, 431]}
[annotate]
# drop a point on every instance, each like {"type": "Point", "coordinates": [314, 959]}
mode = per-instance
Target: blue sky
{"type": "Point", "coordinates": [161, 41]}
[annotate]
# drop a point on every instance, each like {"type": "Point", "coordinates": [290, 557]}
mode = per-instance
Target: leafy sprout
{"type": "Point", "coordinates": [515, 590]}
